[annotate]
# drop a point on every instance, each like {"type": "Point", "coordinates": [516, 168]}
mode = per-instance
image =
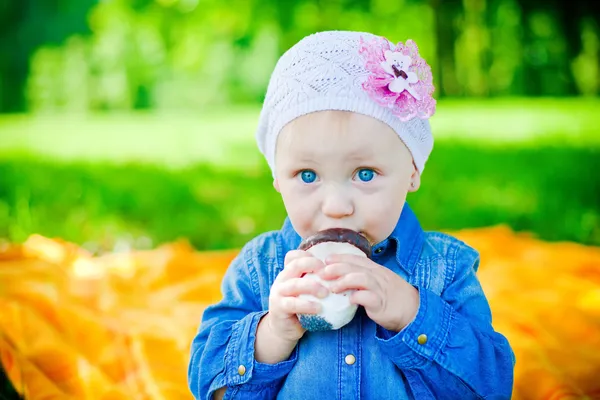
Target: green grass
{"type": "Point", "coordinates": [174, 141]}
{"type": "Point", "coordinates": [143, 179]}
{"type": "Point", "coordinates": [226, 137]}
{"type": "Point", "coordinates": [551, 191]}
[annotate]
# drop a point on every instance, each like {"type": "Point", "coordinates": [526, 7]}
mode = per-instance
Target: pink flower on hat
{"type": "Point", "coordinates": [399, 78]}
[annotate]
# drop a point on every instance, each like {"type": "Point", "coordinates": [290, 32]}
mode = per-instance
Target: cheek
{"type": "Point", "coordinates": [381, 211]}
{"type": "Point", "coordinates": [380, 221]}
{"type": "Point", "coordinates": [298, 206]}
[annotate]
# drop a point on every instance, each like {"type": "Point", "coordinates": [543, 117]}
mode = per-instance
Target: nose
{"type": "Point", "coordinates": [337, 203]}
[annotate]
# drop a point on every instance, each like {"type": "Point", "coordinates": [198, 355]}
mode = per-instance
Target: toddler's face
{"type": "Point", "coordinates": [337, 169]}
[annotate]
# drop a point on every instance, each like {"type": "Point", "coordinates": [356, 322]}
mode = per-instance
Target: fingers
{"type": "Point", "coordinates": [296, 305]}
{"type": "Point", "coordinates": [298, 265]}
{"type": "Point", "coordinates": [298, 286]}
{"type": "Point", "coordinates": [351, 259]}
{"type": "Point", "coordinates": [338, 270]}
{"type": "Point", "coordinates": [354, 281]}
{"type": "Point", "coordinates": [368, 299]}
{"type": "Point", "coordinates": [289, 284]}
{"type": "Point", "coordinates": [286, 298]}
{"type": "Point", "coordinates": [294, 255]}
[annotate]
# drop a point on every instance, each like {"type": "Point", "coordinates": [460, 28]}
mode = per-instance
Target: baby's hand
{"type": "Point", "coordinates": [388, 299]}
{"type": "Point", "coordinates": [284, 303]}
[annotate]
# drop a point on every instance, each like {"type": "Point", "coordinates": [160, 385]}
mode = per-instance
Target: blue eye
{"type": "Point", "coordinates": [366, 174]}
{"type": "Point", "coordinates": [308, 176]}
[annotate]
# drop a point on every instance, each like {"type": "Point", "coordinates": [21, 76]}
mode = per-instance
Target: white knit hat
{"type": "Point", "coordinates": [351, 71]}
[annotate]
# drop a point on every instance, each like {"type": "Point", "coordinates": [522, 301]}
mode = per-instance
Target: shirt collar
{"type": "Point", "coordinates": [407, 234]}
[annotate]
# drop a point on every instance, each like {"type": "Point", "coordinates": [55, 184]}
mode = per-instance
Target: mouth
{"type": "Point", "coordinates": [329, 237]}
{"type": "Point", "coordinates": [360, 232]}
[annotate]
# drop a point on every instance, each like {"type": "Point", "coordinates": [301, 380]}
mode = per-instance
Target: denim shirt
{"type": "Point", "coordinates": [449, 351]}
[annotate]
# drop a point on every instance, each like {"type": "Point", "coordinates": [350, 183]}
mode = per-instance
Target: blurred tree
{"type": "Point", "coordinates": [506, 48]}
{"type": "Point", "coordinates": [173, 54]}
{"type": "Point", "coordinates": [553, 36]}
{"type": "Point", "coordinates": [26, 25]}
{"type": "Point", "coordinates": [446, 20]}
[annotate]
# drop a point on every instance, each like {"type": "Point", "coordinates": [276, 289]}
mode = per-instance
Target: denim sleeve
{"type": "Point", "coordinates": [222, 353]}
{"type": "Point", "coordinates": [462, 356]}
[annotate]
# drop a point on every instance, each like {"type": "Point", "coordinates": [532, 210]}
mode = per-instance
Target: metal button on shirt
{"type": "Point", "coordinates": [350, 359]}
{"type": "Point", "coordinates": [241, 370]}
{"type": "Point", "coordinates": [422, 339]}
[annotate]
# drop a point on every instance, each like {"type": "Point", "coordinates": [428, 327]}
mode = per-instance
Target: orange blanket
{"type": "Point", "coordinates": [119, 326]}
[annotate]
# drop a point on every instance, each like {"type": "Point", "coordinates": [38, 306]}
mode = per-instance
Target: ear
{"type": "Point", "coordinates": [415, 181]}
{"type": "Point", "coordinates": [276, 185]}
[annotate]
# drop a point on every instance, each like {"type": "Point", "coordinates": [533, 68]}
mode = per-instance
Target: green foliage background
{"type": "Point", "coordinates": [171, 54]}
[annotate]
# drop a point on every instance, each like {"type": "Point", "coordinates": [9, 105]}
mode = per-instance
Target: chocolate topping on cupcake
{"type": "Point", "coordinates": [340, 235]}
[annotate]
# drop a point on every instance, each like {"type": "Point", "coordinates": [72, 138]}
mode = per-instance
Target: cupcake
{"type": "Point", "coordinates": [336, 309]}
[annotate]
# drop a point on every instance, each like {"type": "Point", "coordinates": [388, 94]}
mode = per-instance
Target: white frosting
{"type": "Point", "coordinates": [336, 307]}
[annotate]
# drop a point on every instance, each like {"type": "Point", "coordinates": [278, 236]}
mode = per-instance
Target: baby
{"type": "Point", "coordinates": [345, 130]}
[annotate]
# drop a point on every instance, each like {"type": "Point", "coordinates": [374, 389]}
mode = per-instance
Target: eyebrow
{"type": "Point", "coordinates": [357, 154]}
{"type": "Point", "coordinates": [361, 154]}
{"type": "Point", "coordinates": [304, 160]}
